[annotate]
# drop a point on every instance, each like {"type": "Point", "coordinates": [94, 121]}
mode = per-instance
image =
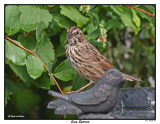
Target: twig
{"type": "Point", "coordinates": [27, 34]}
{"type": "Point", "coordinates": [36, 57]}
{"type": "Point", "coordinates": [50, 9]}
{"type": "Point", "coordinates": [140, 10]}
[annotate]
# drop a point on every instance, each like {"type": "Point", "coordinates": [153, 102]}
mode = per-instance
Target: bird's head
{"type": "Point", "coordinates": [113, 77]}
{"type": "Point", "coordinates": [74, 36]}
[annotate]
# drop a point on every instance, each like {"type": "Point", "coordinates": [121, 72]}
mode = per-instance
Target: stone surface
{"type": "Point", "coordinates": [137, 98]}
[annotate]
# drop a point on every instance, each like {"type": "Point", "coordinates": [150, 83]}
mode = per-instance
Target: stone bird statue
{"type": "Point", "coordinates": [101, 98]}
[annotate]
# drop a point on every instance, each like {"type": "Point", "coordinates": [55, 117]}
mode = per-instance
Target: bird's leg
{"type": "Point", "coordinates": [88, 85]}
{"type": "Point", "coordinates": [92, 83]}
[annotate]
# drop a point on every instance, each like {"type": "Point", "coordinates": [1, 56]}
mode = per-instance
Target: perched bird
{"type": "Point", "coordinates": [102, 97]}
{"type": "Point", "coordinates": [86, 59]}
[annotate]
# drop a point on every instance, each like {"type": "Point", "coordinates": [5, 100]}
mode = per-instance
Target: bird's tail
{"type": "Point", "coordinates": [58, 95]}
{"type": "Point", "coordinates": [130, 78]}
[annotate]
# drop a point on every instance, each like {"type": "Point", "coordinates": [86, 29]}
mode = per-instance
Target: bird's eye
{"type": "Point", "coordinates": [77, 32]}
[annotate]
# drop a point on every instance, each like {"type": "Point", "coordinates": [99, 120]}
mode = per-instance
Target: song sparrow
{"type": "Point", "coordinates": [86, 59]}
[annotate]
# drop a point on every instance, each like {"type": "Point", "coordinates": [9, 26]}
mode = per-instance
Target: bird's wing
{"type": "Point", "coordinates": [95, 57]}
{"type": "Point", "coordinates": [97, 96]}
{"type": "Point", "coordinates": [104, 62]}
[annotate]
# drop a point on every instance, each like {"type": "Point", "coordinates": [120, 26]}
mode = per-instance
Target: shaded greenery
{"type": "Point", "coordinates": [124, 35]}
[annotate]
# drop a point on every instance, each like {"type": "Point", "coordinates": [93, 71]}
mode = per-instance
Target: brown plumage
{"type": "Point", "coordinates": [86, 59]}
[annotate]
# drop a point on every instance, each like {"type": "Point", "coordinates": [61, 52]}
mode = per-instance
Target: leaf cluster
{"type": "Point", "coordinates": [126, 36]}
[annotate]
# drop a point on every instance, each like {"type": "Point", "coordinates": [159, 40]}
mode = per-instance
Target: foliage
{"type": "Point", "coordinates": [126, 36]}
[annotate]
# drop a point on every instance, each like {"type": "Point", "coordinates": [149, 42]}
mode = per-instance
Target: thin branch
{"type": "Point", "coordinates": [130, 6]}
{"type": "Point", "coordinates": [50, 9]}
{"type": "Point", "coordinates": [27, 34]}
{"type": "Point", "coordinates": [37, 57]}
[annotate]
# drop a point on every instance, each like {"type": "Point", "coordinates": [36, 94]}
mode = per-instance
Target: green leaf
{"type": "Point", "coordinates": [6, 61]}
{"type": "Point", "coordinates": [64, 71]}
{"type": "Point", "coordinates": [114, 24]}
{"type": "Point", "coordinates": [93, 32]}
{"type": "Point", "coordinates": [110, 24]}
{"type": "Point", "coordinates": [112, 15]}
{"type": "Point", "coordinates": [93, 35]}
{"type": "Point", "coordinates": [34, 66]}
{"type": "Point", "coordinates": [51, 5]}
{"type": "Point", "coordinates": [115, 10]}
{"type": "Point", "coordinates": [71, 12]}
{"type": "Point", "coordinates": [43, 81]}
{"type": "Point", "coordinates": [20, 71]}
{"type": "Point", "coordinates": [31, 16]}
{"type": "Point", "coordinates": [52, 82]}
{"type": "Point", "coordinates": [95, 16]}
{"type": "Point", "coordinates": [63, 38]}
{"type": "Point", "coordinates": [40, 33]}
{"type": "Point", "coordinates": [150, 8]}
{"type": "Point", "coordinates": [91, 28]}
{"type": "Point", "coordinates": [60, 51]}
{"type": "Point", "coordinates": [62, 66]}
{"type": "Point", "coordinates": [12, 21]}
{"type": "Point", "coordinates": [24, 99]}
{"type": "Point", "coordinates": [78, 82]}
{"type": "Point", "coordinates": [53, 28]}
{"type": "Point", "coordinates": [6, 97]}
{"type": "Point", "coordinates": [128, 22]}
{"type": "Point", "coordinates": [14, 53]}
{"type": "Point", "coordinates": [136, 18]}
{"type": "Point", "coordinates": [50, 65]}
{"type": "Point", "coordinates": [145, 16]}
{"type": "Point", "coordinates": [46, 51]}
{"type": "Point", "coordinates": [28, 42]}
{"type": "Point", "coordinates": [63, 21]}
{"type": "Point", "coordinates": [9, 85]}
{"type": "Point", "coordinates": [65, 75]}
